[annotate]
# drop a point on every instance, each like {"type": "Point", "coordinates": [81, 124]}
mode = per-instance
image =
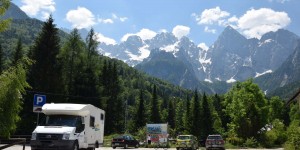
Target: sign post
{"type": "Point", "coordinates": [158, 134]}
{"type": "Point", "coordinates": [38, 102]}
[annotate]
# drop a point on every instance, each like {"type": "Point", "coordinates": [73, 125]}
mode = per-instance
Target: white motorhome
{"type": "Point", "coordinates": [69, 126]}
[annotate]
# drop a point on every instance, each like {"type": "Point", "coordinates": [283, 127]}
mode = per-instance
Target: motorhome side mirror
{"type": "Point", "coordinates": [80, 128]}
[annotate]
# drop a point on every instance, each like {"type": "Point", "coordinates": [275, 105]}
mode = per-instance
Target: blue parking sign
{"type": "Point", "coordinates": [39, 100]}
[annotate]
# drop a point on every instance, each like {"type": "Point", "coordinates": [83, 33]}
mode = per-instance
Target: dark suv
{"type": "Point", "coordinates": [214, 142]}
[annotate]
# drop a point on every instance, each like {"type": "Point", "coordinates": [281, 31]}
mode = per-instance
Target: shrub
{"type": "Point", "coordinates": [251, 142]}
{"type": "Point", "coordinates": [293, 140]}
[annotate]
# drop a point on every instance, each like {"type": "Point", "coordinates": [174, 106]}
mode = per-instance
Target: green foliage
{"type": "Point", "coordinates": [13, 84]}
{"type": "Point", "coordinates": [45, 74]}
{"type": "Point", "coordinates": [18, 52]}
{"type": "Point", "coordinates": [276, 108]}
{"type": "Point", "coordinates": [206, 117]}
{"type": "Point", "coordinates": [3, 7]}
{"type": "Point", "coordinates": [171, 114]}
{"type": "Point", "coordinates": [294, 112]}
{"type": "Point", "coordinates": [251, 142]}
{"type": "Point", "coordinates": [140, 120]}
{"type": "Point", "coordinates": [155, 113]}
{"type": "Point", "coordinates": [246, 106]}
{"type": "Point", "coordinates": [293, 132]}
{"type": "Point", "coordinates": [276, 136]}
{"type": "Point", "coordinates": [196, 116]}
{"type": "Point", "coordinates": [1, 59]}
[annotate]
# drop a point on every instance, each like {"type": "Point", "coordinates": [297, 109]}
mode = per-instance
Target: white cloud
{"type": "Point", "coordinates": [179, 31]}
{"type": "Point", "coordinates": [203, 46]}
{"type": "Point", "coordinates": [81, 18]}
{"type": "Point", "coordinates": [255, 23]}
{"type": "Point", "coordinates": [211, 16]}
{"type": "Point", "coordinates": [279, 1]}
{"type": "Point", "coordinates": [101, 38]}
{"type": "Point", "coordinates": [163, 31]}
{"type": "Point", "coordinates": [144, 34]}
{"type": "Point", "coordinates": [38, 7]}
{"type": "Point", "coordinates": [123, 19]}
{"type": "Point", "coordinates": [106, 21]}
{"type": "Point", "coordinates": [111, 20]}
{"type": "Point", "coordinates": [207, 29]}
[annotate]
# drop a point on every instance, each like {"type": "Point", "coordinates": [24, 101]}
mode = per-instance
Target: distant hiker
{"type": "Point", "coordinates": [149, 139]}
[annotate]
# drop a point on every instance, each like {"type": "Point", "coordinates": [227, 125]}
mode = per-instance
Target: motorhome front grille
{"type": "Point", "coordinates": [45, 136]}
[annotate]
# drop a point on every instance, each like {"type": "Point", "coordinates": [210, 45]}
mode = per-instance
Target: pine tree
{"type": "Point", "coordinates": [171, 114]}
{"type": "Point", "coordinates": [45, 73]}
{"type": "Point", "coordinates": [18, 52]}
{"type": "Point", "coordinates": [196, 120]}
{"type": "Point", "coordinates": [155, 114]}
{"type": "Point", "coordinates": [207, 117]}
{"type": "Point", "coordinates": [188, 117]}
{"type": "Point", "coordinates": [140, 120]}
{"type": "Point", "coordinates": [1, 59]}
{"type": "Point", "coordinates": [71, 57]}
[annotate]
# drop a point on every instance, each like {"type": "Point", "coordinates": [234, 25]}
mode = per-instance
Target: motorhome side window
{"type": "Point", "coordinates": [92, 121]}
{"type": "Point", "coordinates": [102, 117]}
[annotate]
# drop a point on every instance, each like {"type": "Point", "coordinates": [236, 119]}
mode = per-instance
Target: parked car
{"type": "Point", "coordinates": [124, 141]}
{"type": "Point", "coordinates": [214, 142]}
{"type": "Point", "coordinates": [186, 142]}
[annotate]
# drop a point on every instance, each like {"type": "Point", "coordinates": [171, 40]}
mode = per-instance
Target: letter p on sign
{"type": "Point", "coordinates": [39, 100]}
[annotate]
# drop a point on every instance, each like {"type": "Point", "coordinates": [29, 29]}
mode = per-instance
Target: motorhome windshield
{"type": "Point", "coordinates": [63, 120]}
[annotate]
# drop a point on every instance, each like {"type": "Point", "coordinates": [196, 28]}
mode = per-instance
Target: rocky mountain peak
{"type": "Point", "coordinates": [15, 12]}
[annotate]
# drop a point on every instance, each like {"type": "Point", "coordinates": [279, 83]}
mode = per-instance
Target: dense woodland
{"type": "Point", "coordinates": [71, 70]}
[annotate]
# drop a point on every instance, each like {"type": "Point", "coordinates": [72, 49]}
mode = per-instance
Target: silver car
{"type": "Point", "coordinates": [214, 142]}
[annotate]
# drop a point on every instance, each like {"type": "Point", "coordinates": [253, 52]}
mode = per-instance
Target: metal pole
{"type": "Point", "coordinates": [37, 120]}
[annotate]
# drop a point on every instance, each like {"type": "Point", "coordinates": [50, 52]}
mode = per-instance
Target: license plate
{"type": "Point", "coordinates": [116, 143]}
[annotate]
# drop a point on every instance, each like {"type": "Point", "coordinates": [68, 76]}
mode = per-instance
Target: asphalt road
{"type": "Point", "coordinates": [27, 147]}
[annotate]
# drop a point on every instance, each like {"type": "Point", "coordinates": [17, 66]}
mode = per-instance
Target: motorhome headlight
{"type": "Point", "coordinates": [66, 136]}
{"type": "Point", "coordinates": [33, 136]}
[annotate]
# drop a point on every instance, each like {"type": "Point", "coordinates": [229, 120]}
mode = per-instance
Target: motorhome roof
{"type": "Point", "coordinates": [65, 108]}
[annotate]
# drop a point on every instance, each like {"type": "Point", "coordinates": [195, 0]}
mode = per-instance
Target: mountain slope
{"type": "Point", "coordinates": [165, 66]}
{"type": "Point", "coordinates": [285, 76]}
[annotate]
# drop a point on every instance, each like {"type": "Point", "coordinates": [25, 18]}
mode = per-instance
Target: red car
{"type": "Point", "coordinates": [214, 142]}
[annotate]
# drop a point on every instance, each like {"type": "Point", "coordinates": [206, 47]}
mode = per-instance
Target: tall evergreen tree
{"type": "Point", "coordinates": [171, 114]}
{"type": "Point", "coordinates": [140, 120]}
{"type": "Point", "coordinates": [207, 117]}
{"type": "Point", "coordinates": [196, 120]}
{"type": "Point", "coordinates": [1, 59]}
{"type": "Point", "coordinates": [188, 117]}
{"type": "Point", "coordinates": [91, 46]}
{"type": "Point", "coordinates": [179, 117]}
{"type": "Point", "coordinates": [114, 104]}
{"type": "Point", "coordinates": [45, 73]}
{"type": "Point", "coordinates": [155, 113]}
{"type": "Point", "coordinates": [18, 52]}
{"type": "Point", "coordinates": [71, 57]}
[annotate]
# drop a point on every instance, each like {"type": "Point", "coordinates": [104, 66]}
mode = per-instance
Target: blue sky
{"type": "Point", "coordinates": [200, 20]}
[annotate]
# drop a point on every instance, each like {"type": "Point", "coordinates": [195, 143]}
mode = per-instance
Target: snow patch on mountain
{"type": "Point", "coordinates": [171, 48]}
{"type": "Point", "coordinates": [207, 80]}
{"type": "Point", "coordinates": [264, 42]}
{"type": "Point", "coordinates": [260, 74]}
{"type": "Point", "coordinates": [143, 51]}
{"type": "Point", "coordinates": [231, 80]}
